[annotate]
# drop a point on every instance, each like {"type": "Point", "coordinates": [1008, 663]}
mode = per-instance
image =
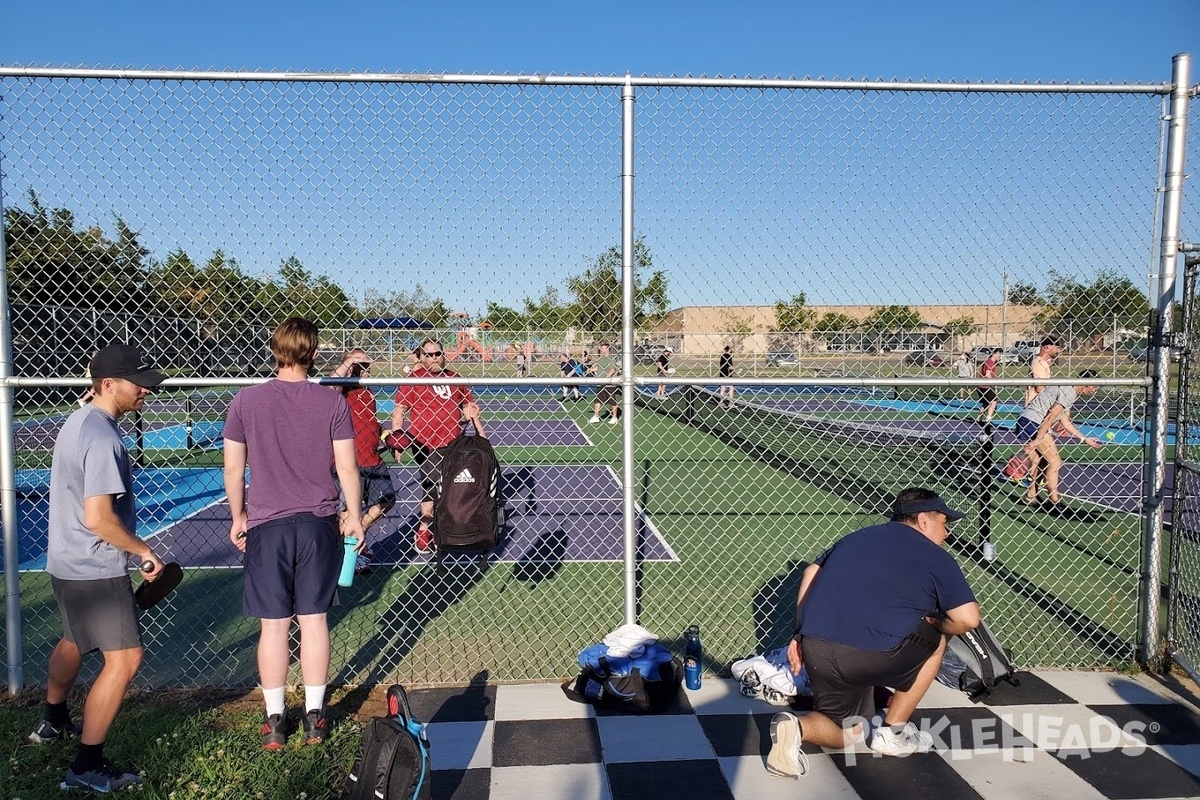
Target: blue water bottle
{"type": "Point", "coordinates": [693, 657]}
{"type": "Point", "coordinates": [349, 558]}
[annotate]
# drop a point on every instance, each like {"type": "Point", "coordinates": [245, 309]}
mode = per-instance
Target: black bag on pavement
{"type": "Point", "coordinates": [469, 514]}
{"type": "Point", "coordinates": [393, 759]}
{"type": "Point", "coordinates": [642, 691]}
{"type": "Point", "coordinates": [976, 663]}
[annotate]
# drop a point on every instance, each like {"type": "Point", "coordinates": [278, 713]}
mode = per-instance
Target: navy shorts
{"type": "Point", "coordinates": [291, 566]}
{"type": "Point", "coordinates": [429, 465]}
{"type": "Point", "coordinates": [1026, 429]}
{"type": "Point", "coordinates": [98, 614]}
{"type": "Point", "coordinates": [844, 678]}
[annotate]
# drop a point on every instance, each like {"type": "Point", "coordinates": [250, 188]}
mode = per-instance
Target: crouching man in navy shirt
{"type": "Point", "coordinates": [875, 609]}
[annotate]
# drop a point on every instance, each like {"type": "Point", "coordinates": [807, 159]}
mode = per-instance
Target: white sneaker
{"type": "Point", "coordinates": [594, 419]}
{"type": "Point", "coordinates": [786, 759]}
{"type": "Point", "coordinates": [908, 741]}
{"type": "Point", "coordinates": [614, 421]}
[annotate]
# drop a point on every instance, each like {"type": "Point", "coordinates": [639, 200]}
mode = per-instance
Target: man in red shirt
{"type": "Point", "coordinates": [435, 413]}
{"type": "Point", "coordinates": [987, 393]}
{"type": "Point", "coordinates": [378, 492]}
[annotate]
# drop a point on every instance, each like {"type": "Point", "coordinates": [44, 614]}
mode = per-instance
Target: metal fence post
{"type": "Point", "coordinates": [1161, 350]}
{"type": "Point", "coordinates": [630, 521]}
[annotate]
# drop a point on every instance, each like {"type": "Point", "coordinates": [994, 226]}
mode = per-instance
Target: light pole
{"type": "Point", "coordinates": [1004, 309]}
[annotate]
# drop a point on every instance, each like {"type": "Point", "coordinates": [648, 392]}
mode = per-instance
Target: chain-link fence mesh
{"type": "Point", "coordinates": [833, 243]}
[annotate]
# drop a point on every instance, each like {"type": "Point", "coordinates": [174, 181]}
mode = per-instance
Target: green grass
{"type": "Point", "coordinates": [187, 746]}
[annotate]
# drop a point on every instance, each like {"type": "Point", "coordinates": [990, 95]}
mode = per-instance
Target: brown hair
{"type": "Point", "coordinates": [294, 342]}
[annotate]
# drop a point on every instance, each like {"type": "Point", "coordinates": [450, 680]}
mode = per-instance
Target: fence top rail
{"type": "Point", "coordinates": [582, 80]}
{"type": "Point", "coordinates": [641, 380]}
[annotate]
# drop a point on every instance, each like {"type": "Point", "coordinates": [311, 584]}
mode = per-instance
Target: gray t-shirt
{"type": "Point", "coordinates": [1040, 406]}
{"type": "Point", "coordinates": [605, 364]}
{"type": "Point", "coordinates": [89, 460]}
{"type": "Point", "coordinates": [289, 428]}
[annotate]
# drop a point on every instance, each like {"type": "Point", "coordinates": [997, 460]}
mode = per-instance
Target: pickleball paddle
{"type": "Point", "coordinates": [150, 592]}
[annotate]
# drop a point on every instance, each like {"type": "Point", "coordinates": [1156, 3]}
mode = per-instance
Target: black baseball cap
{"type": "Point", "coordinates": [931, 504]}
{"type": "Point", "coordinates": [125, 361]}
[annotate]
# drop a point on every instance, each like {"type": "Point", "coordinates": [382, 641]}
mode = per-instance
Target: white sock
{"type": "Point", "coordinates": [314, 697]}
{"type": "Point", "coordinates": [274, 700]}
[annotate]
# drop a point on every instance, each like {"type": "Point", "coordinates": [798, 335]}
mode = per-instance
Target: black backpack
{"type": "Point", "coordinates": [469, 515]}
{"type": "Point", "coordinates": [976, 663]}
{"type": "Point", "coordinates": [393, 759]}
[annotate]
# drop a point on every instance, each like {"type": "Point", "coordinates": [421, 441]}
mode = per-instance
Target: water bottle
{"type": "Point", "coordinates": [693, 657]}
{"type": "Point", "coordinates": [349, 559]}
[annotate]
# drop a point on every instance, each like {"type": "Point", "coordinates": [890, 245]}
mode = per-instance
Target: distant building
{"type": "Point", "coordinates": [705, 330]}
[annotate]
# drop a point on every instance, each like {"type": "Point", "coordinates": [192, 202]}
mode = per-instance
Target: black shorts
{"type": "Point", "coordinates": [291, 566]}
{"type": "Point", "coordinates": [608, 395]}
{"type": "Point", "coordinates": [98, 614]}
{"type": "Point", "coordinates": [843, 677]}
{"type": "Point", "coordinates": [377, 487]}
{"type": "Point", "coordinates": [987, 395]}
{"type": "Point", "coordinates": [429, 466]}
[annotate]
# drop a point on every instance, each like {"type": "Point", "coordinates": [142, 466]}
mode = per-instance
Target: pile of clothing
{"type": "Point", "coordinates": [627, 648]}
{"type": "Point", "coordinates": [770, 678]}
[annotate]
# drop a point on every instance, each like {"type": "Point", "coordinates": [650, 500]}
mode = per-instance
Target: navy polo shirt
{"type": "Point", "coordinates": [877, 583]}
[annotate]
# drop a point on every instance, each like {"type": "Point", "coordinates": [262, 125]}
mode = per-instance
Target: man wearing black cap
{"type": "Point", "coordinates": [92, 523]}
{"type": "Point", "coordinates": [875, 609]}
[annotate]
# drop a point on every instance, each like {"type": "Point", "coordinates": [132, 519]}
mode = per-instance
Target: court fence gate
{"type": "Point", "coordinates": [812, 231]}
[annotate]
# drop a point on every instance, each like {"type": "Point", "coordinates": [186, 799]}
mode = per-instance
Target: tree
{"type": "Point", "coordinates": [838, 330]}
{"type": "Point", "coordinates": [734, 330]}
{"type": "Point", "coordinates": [597, 292]}
{"type": "Point", "coordinates": [417, 303]}
{"type": "Point", "coordinates": [793, 316]}
{"type": "Point", "coordinates": [961, 326]}
{"type": "Point", "coordinates": [1080, 311]}
{"type": "Point", "coordinates": [886, 321]}
{"type": "Point", "coordinates": [1024, 294]}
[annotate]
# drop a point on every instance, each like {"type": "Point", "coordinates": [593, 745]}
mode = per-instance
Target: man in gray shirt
{"type": "Point", "coordinates": [1050, 408]}
{"type": "Point", "coordinates": [92, 524]}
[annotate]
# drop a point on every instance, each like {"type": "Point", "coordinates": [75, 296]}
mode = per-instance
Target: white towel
{"type": "Point", "coordinates": [629, 641]}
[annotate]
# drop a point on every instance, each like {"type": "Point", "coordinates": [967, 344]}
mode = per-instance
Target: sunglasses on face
{"type": "Point", "coordinates": [434, 354]}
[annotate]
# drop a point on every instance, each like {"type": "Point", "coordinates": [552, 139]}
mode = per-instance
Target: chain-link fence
{"type": "Point", "coordinates": [843, 244]}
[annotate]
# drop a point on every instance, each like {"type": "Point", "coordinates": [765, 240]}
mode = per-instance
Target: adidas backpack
{"type": "Point", "coordinates": [470, 512]}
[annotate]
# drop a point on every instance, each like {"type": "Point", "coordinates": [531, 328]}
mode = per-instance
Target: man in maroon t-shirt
{"type": "Point", "coordinates": [378, 492]}
{"type": "Point", "coordinates": [987, 392]}
{"type": "Point", "coordinates": [435, 413]}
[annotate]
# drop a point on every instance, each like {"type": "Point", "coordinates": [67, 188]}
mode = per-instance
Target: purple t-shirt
{"type": "Point", "coordinates": [289, 429]}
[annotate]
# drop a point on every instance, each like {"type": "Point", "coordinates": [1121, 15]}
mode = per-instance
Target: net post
{"type": "Point", "coordinates": [187, 421]}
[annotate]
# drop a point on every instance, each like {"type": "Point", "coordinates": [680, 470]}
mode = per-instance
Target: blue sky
{"type": "Point", "coordinates": [846, 229]}
{"type": "Point", "coordinates": [1048, 40]}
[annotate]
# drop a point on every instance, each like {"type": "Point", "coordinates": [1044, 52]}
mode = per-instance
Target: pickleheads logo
{"type": "Point", "coordinates": [464, 477]}
{"type": "Point", "coordinates": [1018, 737]}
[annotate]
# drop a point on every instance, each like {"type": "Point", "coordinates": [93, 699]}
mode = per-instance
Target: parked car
{"type": "Point", "coordinates": [980, 354]}
{"type": "Point", "coordinates": [925, 358]}
{"type": "Point", "coordinates": [782, 358]}
{"type": "Point", "coordinates": [648, 352]}
{"type": "Point", "coordinates": [1021, 351]}
{"type": "Point", "coordinates": [1141, 352]}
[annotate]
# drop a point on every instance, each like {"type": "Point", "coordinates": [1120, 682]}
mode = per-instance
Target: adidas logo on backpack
{"type": "Point", "coordinates": [464, 477]}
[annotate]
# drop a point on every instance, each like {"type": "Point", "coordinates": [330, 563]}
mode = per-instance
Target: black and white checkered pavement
{"type": "Point", "coordinates": [1059, 735]}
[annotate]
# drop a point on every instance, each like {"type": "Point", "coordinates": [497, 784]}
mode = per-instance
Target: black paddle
{"type": "Point", "coordinates": [149, 593]}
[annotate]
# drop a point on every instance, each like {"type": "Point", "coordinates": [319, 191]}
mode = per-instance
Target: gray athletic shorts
{"type": "Point", "coordinates": [98, 614]}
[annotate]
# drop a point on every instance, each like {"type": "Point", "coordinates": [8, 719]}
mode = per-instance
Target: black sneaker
{"type": "Point", "coordinates": [316, 727]}
{"type": "Point", "coordinates": [47, 731]}
{"type": "Point", "coordinates": [104, 779]}
{"type": "Point", "coordinates": [275, 731]}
